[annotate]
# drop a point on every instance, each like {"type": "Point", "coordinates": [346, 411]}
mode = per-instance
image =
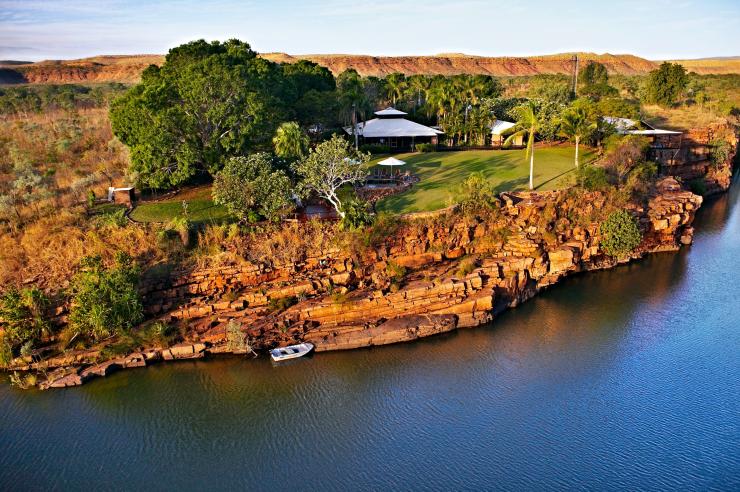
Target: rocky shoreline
{"type": "Point", "coordinates": [432, 273]}
{"type": "Point", "coordinates": [458, 273]}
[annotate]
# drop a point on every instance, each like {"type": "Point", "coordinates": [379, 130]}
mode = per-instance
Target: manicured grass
{"type": "Point", "coordinates": [200, 208]}
{"type": "Point", "coordinates": [442, 173]}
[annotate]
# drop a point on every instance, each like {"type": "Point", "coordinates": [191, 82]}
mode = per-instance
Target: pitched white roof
{"type": "Point", "coordinates": [626, 126]}
{"type": "Point", "coordinates": [621, 124]}
{"type": "Point", "coordinates": [500, 126]}
{"type": "Point", "coordinates": [393, 127]}
{"type": "Point", "coordinates": [390, 112]}
{"type": "Point", "coordinates": [655, 131]}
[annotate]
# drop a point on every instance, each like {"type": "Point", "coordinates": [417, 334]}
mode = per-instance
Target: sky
{"type": "Point", "coordinates": [654, 29]}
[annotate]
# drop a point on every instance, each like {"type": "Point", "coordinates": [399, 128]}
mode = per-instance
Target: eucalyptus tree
{"type": "Point", "coordinates": [328, 167]}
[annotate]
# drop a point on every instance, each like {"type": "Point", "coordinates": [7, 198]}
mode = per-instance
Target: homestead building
{"type": "Point", "coordinates": [391, 129]}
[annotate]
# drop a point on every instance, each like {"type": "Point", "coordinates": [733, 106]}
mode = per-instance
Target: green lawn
{"type": "Point", "coordinates": [200, 208]}
{"type": "Point", "coordinates": [442, 173]}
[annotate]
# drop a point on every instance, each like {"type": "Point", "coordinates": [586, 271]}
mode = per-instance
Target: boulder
{"type": "Point", "coordinates": [561, 260]}
{"type": "Point", "coordinates": [184, 351]}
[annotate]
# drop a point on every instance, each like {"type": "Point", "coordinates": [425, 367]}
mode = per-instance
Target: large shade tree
{"type": "Point", "coordinates": [666, 84]}
{"type": "Point", "coordinates": [328, 167]}
{"type": "Point", "coordinates": [251, 188]}
{"type": "Point", "coordinates": [206, 103]}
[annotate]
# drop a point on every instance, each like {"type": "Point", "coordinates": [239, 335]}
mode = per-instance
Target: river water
{"type": "Point", "coordinates": [625, 379]}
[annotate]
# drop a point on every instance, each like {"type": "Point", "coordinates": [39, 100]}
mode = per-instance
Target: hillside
{"type": "Point", "coordinates": [719, 65]}
{"type": "Point", "coordinates": [128, 68]}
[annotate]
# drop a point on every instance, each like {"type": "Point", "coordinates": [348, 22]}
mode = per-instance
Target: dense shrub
{"type": "Point", "coordinates": [395, 271]}
{"type": "Point", "coordinates": [357, 215]}
{"type": "Point", "coordinates": [22, 313]}
{"type": "Point", "coordinates": [720, 153]}
{"type": "Point", "coordinates": [281, 303]}
{"type": "Point", "coordinates": [466, 266]}
{"type": "Point", "coordinates": [425, 147]}
{"type": "Point", "coordinates": [477, 195]}
{"type": "Point", "coordinates": [375, 148]}
{"type": "Point", "coordinates": [641, 177]}
{"type": "Point", "coordinates": [592, 178]}
{"type": "Point", "coordinates": [619, 233]}
{"type": "Point", "coordinates": [105, 301]}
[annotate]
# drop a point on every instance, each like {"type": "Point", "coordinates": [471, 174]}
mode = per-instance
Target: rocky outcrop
{"type": "Point", "coordinates": [128, 68]}
{"type": "Point", "coordinates": [395, 330]}
{"type": "Point", "coordinates": [466, 268]}
{"type": "Point", "coordinates": [692, 163]}
{"type": "Point", "coordinates": [185, 351]}
{"type": "Point", "coordinates": [433, 274]}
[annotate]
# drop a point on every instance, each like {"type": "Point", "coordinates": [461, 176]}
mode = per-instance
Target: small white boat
{"type": "Point", "coordinates": [291, 352]}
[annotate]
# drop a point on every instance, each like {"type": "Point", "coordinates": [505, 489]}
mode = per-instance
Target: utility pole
{"type": "Point", "coordinates": [575, 75]}
{"type": "Point", "coordinates": [354, 125]}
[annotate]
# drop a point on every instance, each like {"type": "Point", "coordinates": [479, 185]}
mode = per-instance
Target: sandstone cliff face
{"type": "Point", "coordinates": [380, 66]}
{"type": "Point", "coordinates": [460, 272]}
{"type": "Point", "coordinates": [128, 69]}
{"type": "Point", "coordinates": [693, 160]}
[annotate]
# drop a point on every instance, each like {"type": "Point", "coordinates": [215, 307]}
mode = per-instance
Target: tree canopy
{"type": "Point", "coordinates": [667, 84]}
{"type": "Point", "coordinates": [328, 167]}
{"type": "Point", "coordinates": [250, 188]}
{"type": "Point", "coordinates": [206, 103]}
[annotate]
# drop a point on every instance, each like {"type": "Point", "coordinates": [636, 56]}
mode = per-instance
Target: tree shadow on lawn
{"type": "Point", "coordinates": [544, 183]}
{"type": "Point", "coordinates": [517, 184]}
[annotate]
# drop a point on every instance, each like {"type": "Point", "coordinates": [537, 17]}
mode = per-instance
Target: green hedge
{"type": "Point", "coordinates": [426, 147]}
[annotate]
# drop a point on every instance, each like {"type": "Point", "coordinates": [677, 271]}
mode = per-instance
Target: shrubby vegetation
{"type": "Point", "coordinates": [28, 99]}
{"type": "Point", "coordinates": [105, 300]}
{"type": "Point", "coordinates": [24, 322]}
{"type": "Point", "coordinates": [620, 233]}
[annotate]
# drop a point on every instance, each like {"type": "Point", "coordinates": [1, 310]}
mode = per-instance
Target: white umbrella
{"type": "Point", "coordinates": [391, 161]}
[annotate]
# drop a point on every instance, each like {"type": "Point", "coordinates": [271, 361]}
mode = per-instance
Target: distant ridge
{"type": "Point", "coordinates": [128, 68]}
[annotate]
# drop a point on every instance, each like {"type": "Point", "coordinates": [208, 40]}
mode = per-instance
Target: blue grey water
{"type": "Point", "coordinates": [626, 379]}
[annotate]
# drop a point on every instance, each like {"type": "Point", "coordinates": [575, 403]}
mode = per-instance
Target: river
{"type": "Point", "coordinates": [624, 379]}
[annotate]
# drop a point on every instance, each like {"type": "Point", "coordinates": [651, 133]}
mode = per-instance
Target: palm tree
{"type": "Point", "coordinates": [437, 100]}
{"type": "Point", "coordinates": [395, 84]}
{"type": "Point", "coordinates": [417, 85]}
{"type": "Point", "coordinates": [577, 124]}
{"type": "Point", "coordinates": [290, 142]}
{"type": "Point", "coordinates": [528, 123]}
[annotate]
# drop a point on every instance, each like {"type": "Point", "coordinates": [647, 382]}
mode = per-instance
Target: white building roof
{"type": "Point", "coordinates": [393, 127]}
{"type": "Point", "coordinates": [621, 124]}
{"type": "Point", "coordinates": [500, 126]}
{"type": "Point", "coordinates": [390, 112]}
{"type": "Point", "coordinates": [626, 126]}
{"type": "Point", "coordinates": [655, 131]}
